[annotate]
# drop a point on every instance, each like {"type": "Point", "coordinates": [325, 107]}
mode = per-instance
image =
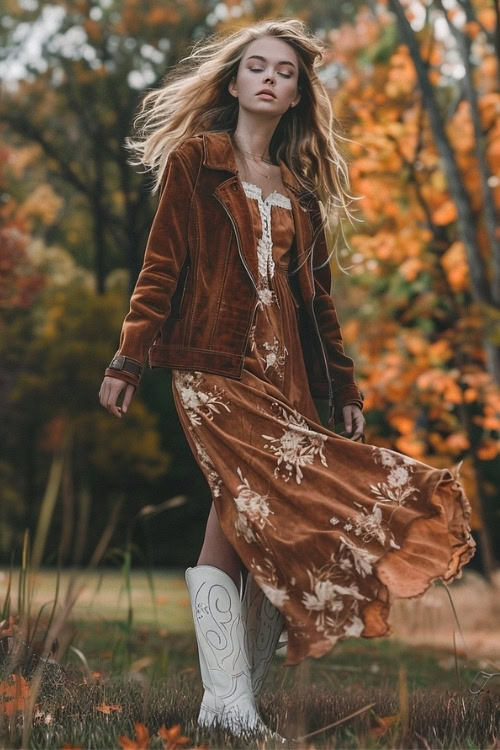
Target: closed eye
{"type": "Point", "coordinates": [259, 70]}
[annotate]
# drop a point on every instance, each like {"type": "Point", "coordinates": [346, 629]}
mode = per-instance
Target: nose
{"type": "Point", "coordinates": [269, 78]}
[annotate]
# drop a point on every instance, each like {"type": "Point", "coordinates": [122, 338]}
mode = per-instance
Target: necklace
{"type": "Point", "coordinates": [268, 175]}
{"type": "Point", "coordinates": [268, 161]}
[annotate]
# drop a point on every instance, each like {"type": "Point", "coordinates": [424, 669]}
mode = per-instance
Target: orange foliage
{"type": "Point", "coordinates": [171, 737]}
{"type": "Point", "coordinates": [439, 352]}
{"type": "Point", "coordinates": [384, 723]}
{"type": "Point", "coordinates": [163, 15]}
{"type": "Point", "coordinates": [488, 17]}
{"type": "Point", "coordinates": [402, 422]}
{"type": "Point", "coordinates": [411, 268]}
{"type": "Point", "coordinates": [488, 449]}
{"type": "Point", "coordinates": [454, 262]}
{"type": "Point", "coordinates": [20, 283]}
{"type": "Point", "coordinates": [108, 708]}
{"type": "Point", "coordinates": [412, 446]}
{"type": "Point", "coordinates": [13, 694]}
{"type": "Point", "coordinates": [422, 345]}
{"type": "Point", "coordinates": [401, 77]}
{"type": "Point", "coordinates": [472, 28]}
{"type": "Point", "coordinates": [142, 738]}
{"type": "Point", "coordinates": [489, 106]}
{"type": "Point", "coordinates": [445, 213]}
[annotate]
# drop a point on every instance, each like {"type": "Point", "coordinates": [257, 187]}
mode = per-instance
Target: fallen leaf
{"type": "Point", "coordinates": [142, 741]}
{"type": "Point", "coordinates": [14, 694]}
{"type": "Point", "coordinates": [172, 737]}
{"type": "Point", "coordinates": [384, 723]}
{"type": "Point", "coordinates": [106, 709]}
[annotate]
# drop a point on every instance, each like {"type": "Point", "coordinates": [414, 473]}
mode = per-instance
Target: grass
{"type": "Point", "coordinates": [157, 684]}
{"type": "Point", "coordinates": [127, 667]}
{"type": "Point", "coordinates": [108, 659]}
{"type": "Point", "coordinates": [163, 601]}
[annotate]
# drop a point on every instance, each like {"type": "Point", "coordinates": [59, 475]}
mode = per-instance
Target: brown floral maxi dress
{"type": "Point", "coordinates": [331, 529]}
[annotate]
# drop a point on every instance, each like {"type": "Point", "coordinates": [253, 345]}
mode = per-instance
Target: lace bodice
{"type": "Point", "coordinates": [265, 242]}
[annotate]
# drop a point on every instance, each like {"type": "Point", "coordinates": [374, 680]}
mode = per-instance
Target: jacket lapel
{"type": "Point", "coordinates": [219, 154]}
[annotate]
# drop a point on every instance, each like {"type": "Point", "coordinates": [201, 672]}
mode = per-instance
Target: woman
{"type": "Point", "coordinates": [309, 530]}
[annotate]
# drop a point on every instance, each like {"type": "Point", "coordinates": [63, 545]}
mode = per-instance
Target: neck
{"type": "Point", "coordinates": [254, 139]}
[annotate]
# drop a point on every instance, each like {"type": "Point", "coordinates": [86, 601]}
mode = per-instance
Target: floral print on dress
{"type": "Point", "coordinates": [196, 400]}
{"type": "Point", "coordinates": [398, 487]}
{"type": "Point", "coordinates": [275, 354]}
{"type": "Point", "coordinates": [251, 337]}
{"type": "Point", "coordinates": [334, 588]}
{"type": "Point", "coordinates": [274, 357]}
{"type": "Point", "coordinates": [267, 579]}
{"type": "Point", "coordinates": [362, 559]}
{"type": "Point", "coordinates": [253, 510]}
{"type": "Point", "coordinates": [266, 296]}
{"type": "Point", "coordinates": [297, 446]}
{"type": "Point", "coordinates": [207, 465]}
{"type": "Point", "coordinates": [369, 525]}
{"type": "Point", "coordinates": [328, 598]}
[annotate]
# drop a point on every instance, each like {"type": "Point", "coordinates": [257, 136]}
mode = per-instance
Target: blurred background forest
{"type": "Point", "coordinates": [416, 87]}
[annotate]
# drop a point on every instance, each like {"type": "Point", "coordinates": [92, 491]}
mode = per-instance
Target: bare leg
{"type": "Point", "coordinates": [217, 550]}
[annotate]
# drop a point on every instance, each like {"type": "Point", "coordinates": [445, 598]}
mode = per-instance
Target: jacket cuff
{"type": "Point", "coordinates": [347, 394]}
{"type": "Point", "coordinates": [120, 375]}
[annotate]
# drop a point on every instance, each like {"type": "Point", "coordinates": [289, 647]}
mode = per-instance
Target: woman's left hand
{"type": "Point", "coordinates": [354, 422]}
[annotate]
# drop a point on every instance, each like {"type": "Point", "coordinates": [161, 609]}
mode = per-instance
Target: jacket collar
{"type": "Point", "coordinates": [219, 154]}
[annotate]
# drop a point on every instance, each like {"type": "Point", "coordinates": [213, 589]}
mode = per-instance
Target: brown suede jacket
{"type": "Point", "coordinates": [194, 300]}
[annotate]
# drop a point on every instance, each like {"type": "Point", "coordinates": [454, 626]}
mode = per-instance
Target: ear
{"type": "Point", "coordinates": [232, 88]}
{"type": "Point", "coordinates": [296, 100]}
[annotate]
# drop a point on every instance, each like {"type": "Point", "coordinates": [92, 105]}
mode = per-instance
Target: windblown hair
{"type": "Point", "coordinates": [194, 97]}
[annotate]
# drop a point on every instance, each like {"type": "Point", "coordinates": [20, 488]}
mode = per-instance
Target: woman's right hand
{"type": "Point", "coordinates": [109, 393]}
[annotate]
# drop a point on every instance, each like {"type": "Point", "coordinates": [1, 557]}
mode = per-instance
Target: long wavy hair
{"type": "Point", "coordinates": [194, 97]}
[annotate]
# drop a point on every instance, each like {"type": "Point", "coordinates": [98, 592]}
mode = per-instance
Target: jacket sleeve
{"type": "Point", "coordinates": [165, 252]}
{"type": "Point", "coordinates": [340, 365]}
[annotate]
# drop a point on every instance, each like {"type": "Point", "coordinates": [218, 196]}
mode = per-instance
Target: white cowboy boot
{"type": "Point", "coordinates": [224, 663]}
{"type": "Point", "coordinates": [264, 625]}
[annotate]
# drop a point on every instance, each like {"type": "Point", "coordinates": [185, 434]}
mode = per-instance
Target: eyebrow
{"type": "Point", "coordinates": [281, 62]}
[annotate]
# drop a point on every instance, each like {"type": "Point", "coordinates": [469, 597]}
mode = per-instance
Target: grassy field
{"type": "Point", "coordinates": [124, 661]}
{"type": "Point", "coordinates": [162, 601]}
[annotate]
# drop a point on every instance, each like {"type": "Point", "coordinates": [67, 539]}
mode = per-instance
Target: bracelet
{"type": "Point", "coordinates": [120, 362]}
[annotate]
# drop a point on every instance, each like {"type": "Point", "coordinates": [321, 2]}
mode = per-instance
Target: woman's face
{"type": "Point", "coordinates": [268, 63]}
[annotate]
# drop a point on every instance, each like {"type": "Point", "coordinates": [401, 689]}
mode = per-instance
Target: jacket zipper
{"type": "Point", "coordinates": [238, 241]}
{"type": "Point", "coordinates": [273, 289]}
{"type": "Point", "coordinates": [179, 308]}
{"type": "Point", "coordinates": [236, 234]}
{"type": "Point", "coordinates": [330, 389]}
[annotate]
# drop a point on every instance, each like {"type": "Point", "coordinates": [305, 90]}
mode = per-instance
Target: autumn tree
{"type": "Point", "coordinates": [77, 102]}
{"type": "Point", "coordinates": [427, 333]}
{"type": "Point", "coordinates": [54, 342]}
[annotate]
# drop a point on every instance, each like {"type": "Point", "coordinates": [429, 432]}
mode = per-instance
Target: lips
{"type": "Point", "coordinates": [266, 91]}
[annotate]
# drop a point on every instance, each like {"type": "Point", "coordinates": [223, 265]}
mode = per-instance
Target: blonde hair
{"type": "Point", "coordinates": [194, 97]}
